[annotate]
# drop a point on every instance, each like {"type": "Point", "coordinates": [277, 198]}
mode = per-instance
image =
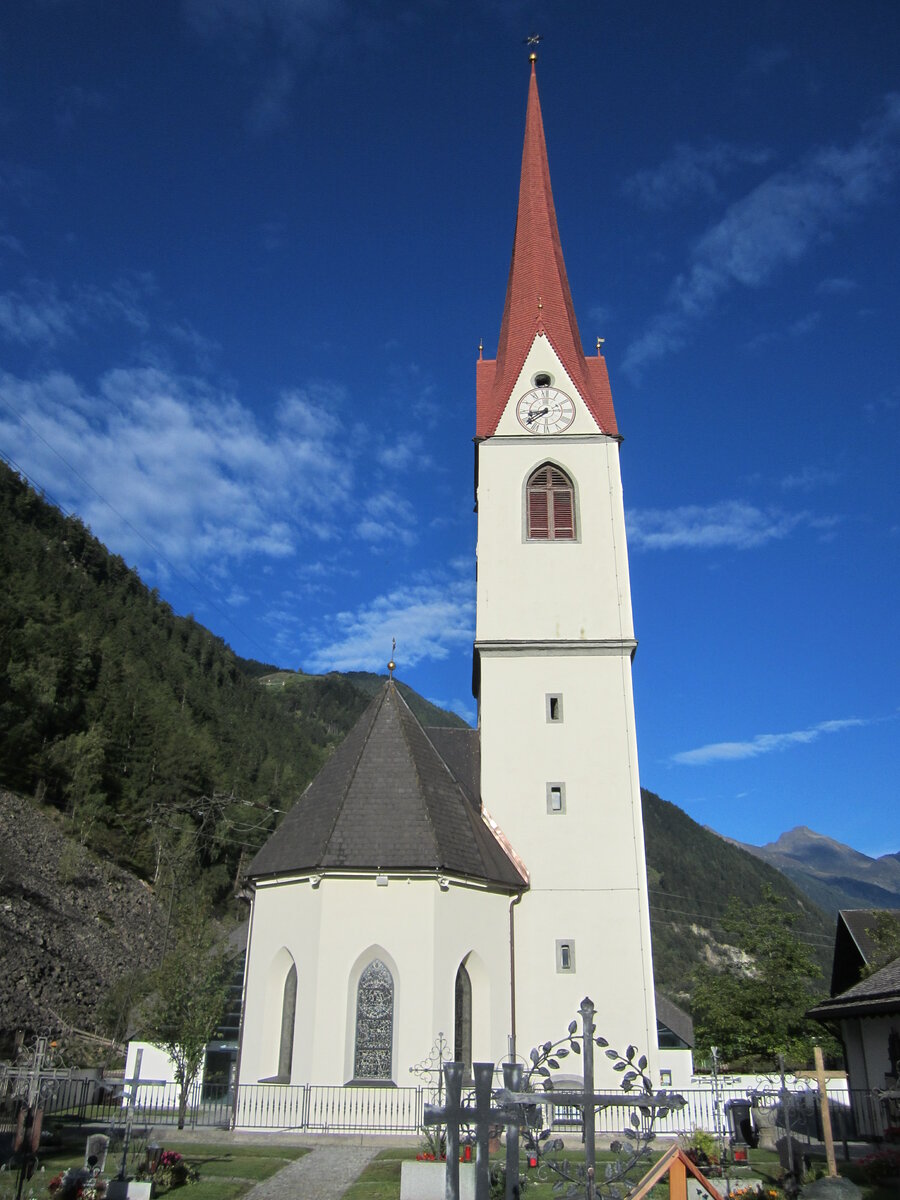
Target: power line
{"type": "Point", "coordinates": [717, 916]}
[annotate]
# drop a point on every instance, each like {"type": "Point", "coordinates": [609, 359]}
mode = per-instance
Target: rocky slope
{"type": "Point", "coordinates": [72, 926]}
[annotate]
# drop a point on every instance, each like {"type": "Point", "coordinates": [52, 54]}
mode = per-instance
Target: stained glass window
{"type": "Point", "coordinates": [374, 1023]}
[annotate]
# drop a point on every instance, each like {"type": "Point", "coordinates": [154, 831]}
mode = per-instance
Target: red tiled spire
{"type": "Point", "coordinates": [538, 299]}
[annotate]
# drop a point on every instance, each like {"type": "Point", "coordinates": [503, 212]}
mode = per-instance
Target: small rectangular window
{"type": "Point", "coordinates": [556, 797]}
{"type": "Point", "coordinates": [665, 1078]}
{"type": "Point", "coordinates": [565, 956]}
{"type": "Point", "coordinates": [554, 707]}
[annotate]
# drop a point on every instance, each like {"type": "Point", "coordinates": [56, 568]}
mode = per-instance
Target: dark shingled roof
{"type": "Point", "coordinates": [674, 1018]}
{"type": "Point", "coordinates": [872, 997]}
{"type": "Point", "coordinates": [387, 800]}
{"type": "Point", "coordinates": [854, 946]}
{"type": "Point", "coordinates": [859, 921]}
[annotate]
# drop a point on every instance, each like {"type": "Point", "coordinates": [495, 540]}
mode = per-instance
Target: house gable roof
{"type": "Point", "coordinates": [674, 1018]}
{"type": "Point", "coordinates": [854, 946]}
{"type": "Point", "coordinates": [387, 800]}
{"type": "Point", "coordinates": [878, 995]}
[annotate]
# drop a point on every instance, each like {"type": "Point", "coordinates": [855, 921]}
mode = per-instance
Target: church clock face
{"type": "Point", "coordinates": [545, 410]}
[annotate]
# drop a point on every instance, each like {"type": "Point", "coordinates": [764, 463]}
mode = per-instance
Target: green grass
{"type": "Point", "coordinates": [226, 1172]}
{"type": "Point", "coordinates": [381, 1179]}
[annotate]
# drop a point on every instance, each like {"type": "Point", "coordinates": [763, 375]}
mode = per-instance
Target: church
{"type": "Point", "coordinates": [479, 883]}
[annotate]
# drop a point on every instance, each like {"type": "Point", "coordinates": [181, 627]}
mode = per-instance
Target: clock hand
{"type": "Point", "coordinates": [532, 417]}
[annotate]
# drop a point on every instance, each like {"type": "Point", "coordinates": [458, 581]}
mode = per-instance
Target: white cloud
{"type": "Point", "coordinates": [403, 452]}
{"type": "Point", "coordinates": [688, 173]}
{"type": "Point", "coordinates": [463, 708]}
{"type": "Point", "coordinates": [730, 524]}
{"type": "Point", "coordinates": [11, 243]}
{"type": "Point", "coordinates": [763, 743]}
{"type": "Point", "coordinates": [808, 478]}
{"type": "Point", "coordinates": [388, 517]}
{"type": "Point", "coordinates": [152, 457]}
{"type": "Point", "coordinates": [775, 224]}
{"type": "Point", "coordinates": [430, 619]}
{"type": "Point", "coordinates": [40, 315]}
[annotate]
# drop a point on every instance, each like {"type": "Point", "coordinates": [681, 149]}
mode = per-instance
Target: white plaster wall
{"type": "Point", "coordinates": [592, 751]}
{"type": "Point", "coordinates": [541, 590]}
{"type": "Point", "coordinates": [612, 967]}
{"type": "Point", "coordinates": [681, 1064]}
{"type": "Point", "coordinates": [587, 866]}
{"type": "Point", "coordinates": [332, 931]}
{"type": "Point", "coordinates": [155, 1063]}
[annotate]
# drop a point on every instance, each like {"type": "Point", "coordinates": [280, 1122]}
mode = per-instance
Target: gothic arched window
{"type": "Point", "coordinates": [550, 505]}
{"type": "Point", "coordinates": [288, 1015]}
{"type": "Point", "coordinates": [462, 1033]}
{"type": "Point", "coordinates": [373, 1058]}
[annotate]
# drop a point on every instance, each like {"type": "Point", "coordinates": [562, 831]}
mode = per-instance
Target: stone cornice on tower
{"type": "Point", "coordinates": [538, 299]}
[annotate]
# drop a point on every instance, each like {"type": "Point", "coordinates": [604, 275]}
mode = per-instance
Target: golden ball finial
{"type": "Point", "coordinates": [532, 57]}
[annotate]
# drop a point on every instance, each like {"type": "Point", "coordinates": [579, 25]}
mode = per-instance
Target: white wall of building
{"type": "Point", "coordinates": [420, 929]}
{"type": "Point", "coordinates": [156, 1064]}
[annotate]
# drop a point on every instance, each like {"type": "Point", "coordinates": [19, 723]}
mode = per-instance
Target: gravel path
{"type": "Point", "coordinates": [323, 1174]}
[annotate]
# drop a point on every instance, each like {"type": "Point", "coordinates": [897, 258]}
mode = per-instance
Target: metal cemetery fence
{"type": "Point", "coordinates": [387, 1110]}
{"type": "Point", "coordinates": [330, 1109]}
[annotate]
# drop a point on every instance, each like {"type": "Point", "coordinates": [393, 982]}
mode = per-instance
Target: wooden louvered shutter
{"type": "Point", "coordinates": [538, 513]}
{"type": "Point", "coordinates": [563, 513]}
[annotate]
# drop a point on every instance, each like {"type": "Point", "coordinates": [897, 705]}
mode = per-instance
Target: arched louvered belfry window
{"type": "Point", "coordinates": [550, 505]}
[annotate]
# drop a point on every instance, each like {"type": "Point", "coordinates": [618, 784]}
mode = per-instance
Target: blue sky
{"type": "Point", "coordinates": [249, 247]}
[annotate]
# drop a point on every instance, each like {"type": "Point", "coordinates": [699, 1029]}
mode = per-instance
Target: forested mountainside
{"type": "Point", "coordinates": [692, 872]}
{"type": "Point", "coordinates": [152, 737]}
{"type": "Point", "coordinates": [153, 745]}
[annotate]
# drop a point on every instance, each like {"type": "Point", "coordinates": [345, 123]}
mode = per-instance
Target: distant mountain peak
{"type": "Point", "coordinates": [801, 838]}
{"type": "Point", "coordinates": [833, 874]}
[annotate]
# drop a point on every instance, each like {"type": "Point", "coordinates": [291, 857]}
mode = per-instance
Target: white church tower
{"type": "Point", "coordinates": [554, 645]}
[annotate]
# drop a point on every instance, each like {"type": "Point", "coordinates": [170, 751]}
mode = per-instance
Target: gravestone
{"type": "Point", "coordinates": [95, 1150]}
{"type": "Point", "coordinates": [428, 1181]}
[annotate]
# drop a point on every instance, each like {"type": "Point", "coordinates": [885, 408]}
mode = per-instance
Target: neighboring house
{"type": "Point", "coordinates": [675, 1036]}
{"type": "Point", "coordinates": [866, 1016]}
{"type": "Point", "coordinates": [481, 883]}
